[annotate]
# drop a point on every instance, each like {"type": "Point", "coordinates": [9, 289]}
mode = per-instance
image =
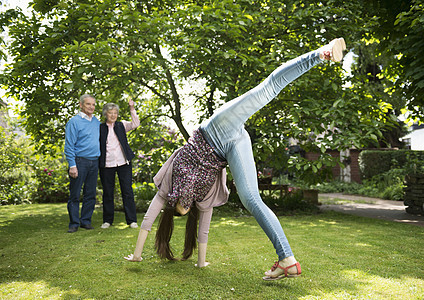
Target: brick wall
{"type": "Point", "coordinates": [354, 164]}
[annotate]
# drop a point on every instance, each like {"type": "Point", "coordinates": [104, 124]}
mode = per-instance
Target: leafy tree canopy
{"type": "Point", "coordinates": [151, 50]}
{"type": "Point", "coordinates": [396, 38]}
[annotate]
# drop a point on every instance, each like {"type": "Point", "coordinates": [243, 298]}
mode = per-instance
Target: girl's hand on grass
{"type": "Point", "coordinates": [131, 257]}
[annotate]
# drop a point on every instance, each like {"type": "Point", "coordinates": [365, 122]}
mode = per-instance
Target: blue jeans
{"type": "Point", "coordinates": [87, 176]}
{"type": "Point", "coordinates": [225, 132]}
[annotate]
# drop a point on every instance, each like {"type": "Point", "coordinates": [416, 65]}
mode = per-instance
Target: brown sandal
{"type": "Point", "coordinates": [277, 265]}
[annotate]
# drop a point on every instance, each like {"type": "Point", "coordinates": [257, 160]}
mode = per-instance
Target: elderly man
{"type": "Point", "coordinates": [82, 150]}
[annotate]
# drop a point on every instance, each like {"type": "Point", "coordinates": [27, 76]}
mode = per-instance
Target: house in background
{"type": "Point", "coordinates": [351, 172]}
{"type": "Point", "coordinates": [415, 139]}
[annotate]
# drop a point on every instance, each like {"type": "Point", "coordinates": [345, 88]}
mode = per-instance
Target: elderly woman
{"type": "Point", "coordinates": [115, 158]}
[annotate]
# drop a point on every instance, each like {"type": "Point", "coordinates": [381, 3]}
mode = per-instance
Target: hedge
{"type": "Point", "coordinates": [374, 162]}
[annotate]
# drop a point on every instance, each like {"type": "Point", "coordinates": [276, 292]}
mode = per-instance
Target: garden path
{"type": "Point", "coordinates": [372, 208]}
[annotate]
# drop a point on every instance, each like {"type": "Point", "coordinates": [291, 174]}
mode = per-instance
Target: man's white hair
{"type": "Point", "coordinates": [85, 96]}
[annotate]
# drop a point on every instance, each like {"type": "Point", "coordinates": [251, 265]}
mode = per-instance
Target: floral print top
{"type": "Point", "coordinates": [195, 169]}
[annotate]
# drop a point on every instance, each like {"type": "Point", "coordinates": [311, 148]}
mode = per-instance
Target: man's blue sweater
{"type": "Point", "coordinates": [82, 139]}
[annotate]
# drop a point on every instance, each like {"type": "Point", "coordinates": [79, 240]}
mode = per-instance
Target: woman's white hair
{"type": "Point", "coordinates": [109, 106]}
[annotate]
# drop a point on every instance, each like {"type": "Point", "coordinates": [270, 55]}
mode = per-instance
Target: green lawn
{"type": "Point", "coordinates": [342, 257]}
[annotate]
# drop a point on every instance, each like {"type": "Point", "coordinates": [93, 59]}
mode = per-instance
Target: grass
{"type": "Point", "coordinates": [342, 257]}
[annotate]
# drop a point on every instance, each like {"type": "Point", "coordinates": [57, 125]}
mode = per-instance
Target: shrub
{"type": "Point", "coordinates": [291, 202]}
{"type": "Point", "coordinates": [26, 176]}
{"type": "Point", "coordinates": [369, 190]}
{"type": "Point", "coordinates": [394, 192]}
{"type": "Point", "coordinates": [143, 194]}
{"type": "Point", "coordinates": [52, 185]}
{"type": "Point", "coordinates": [339, 187]}
{"type": "Point", "coordinates": [384, 171]}
{"type": "Point", "coordinates": [51, 178]}
{"type": "Point", "coordinates": [15, 174]}
{"type": "Point", "coordinates": [374, 162]}
{"type": "Point", "coordinates": [388, 185]}
{"type": "Point", "coordinates": [14, 189]}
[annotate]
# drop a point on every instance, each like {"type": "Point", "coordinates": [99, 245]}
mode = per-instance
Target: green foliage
{"type": "Point", "coordinates": [337, 186]}
{"type": "Point", "coordinates": [394, 192]}
{"type": "Point", "coordinates": [143, 196]}
{"type": "Point", "coordinates": [152, 49]}
{"type": "Point", "coordinates": [155, 147]}
{"type": "Point", "coordinates": [14, 169]}
{"type": "Point", "coordinates": [374, 162]}
{"type": "Point", "coordinates": [291, 203]}
{"type": "Point", "coordinates": [396, 37]}
{"type": "Point", "coordinates": [6, 17]}
{"type": "Point", "coordinates": [387, 185]}
{"type": "Point", "coordinates": [26, 176]}
{"type": "Point", "coordinates": [144, 191]}
{"type": "Point", "coordinates": [311, 172]}
{"type": "Point", "coordinates": [51, 177]}
{"type": "Point", "coordinates": [414, 163]}
{"type": "Point", "coordinates": [409, 69]}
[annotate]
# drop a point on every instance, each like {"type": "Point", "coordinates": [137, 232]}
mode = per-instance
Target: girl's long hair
{"type": "Point", "coordinates": [191, 232]}
{"type": "Point", "coordinates": [166, 228]}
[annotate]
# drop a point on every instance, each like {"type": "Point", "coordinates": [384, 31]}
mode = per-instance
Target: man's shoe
{"type": "Point", "coordinates": [134, 225]}
{"type": "Point", "coordinates": [105, 225]}
{"type": "Point", "coordinates": [88, 226]}
{"type": "Point", "coordinates": [72, 229]}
